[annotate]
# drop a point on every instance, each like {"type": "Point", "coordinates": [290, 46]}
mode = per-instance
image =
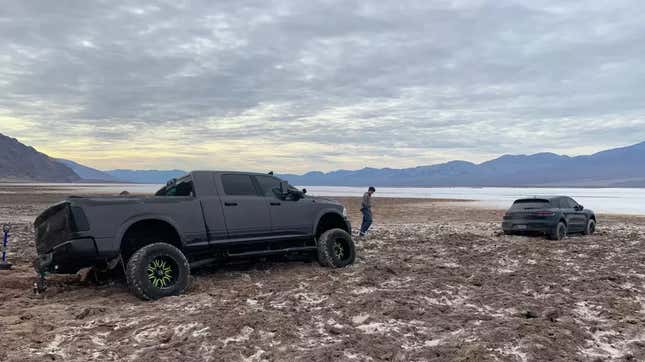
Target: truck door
{"type": "Point", "coordinates": [245, 210]}
{"type": "Point", "coordinates": [289, 217]}
{"type": "Point", "coordinates": [212, 208]}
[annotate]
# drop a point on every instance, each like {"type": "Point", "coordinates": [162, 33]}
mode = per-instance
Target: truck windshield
{"type": "Point", "coordinates": [182, 188]}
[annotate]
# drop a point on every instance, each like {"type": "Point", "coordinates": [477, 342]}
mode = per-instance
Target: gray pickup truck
{"type": "Point", "coordinates": [203, 217]}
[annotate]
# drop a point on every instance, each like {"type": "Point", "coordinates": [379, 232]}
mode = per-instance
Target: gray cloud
{"type": "Point", "coordinates": [333, 84]}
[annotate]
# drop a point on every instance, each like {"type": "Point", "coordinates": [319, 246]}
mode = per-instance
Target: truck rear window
{"type": "Point", "coordinates": [184, 188]}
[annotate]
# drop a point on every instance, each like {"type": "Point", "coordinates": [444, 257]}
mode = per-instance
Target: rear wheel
{"type": "Point", "coordinates": [336, 249]}
{"type": "Point", "coordinates": [156, 271]}
{"type": "Point", "coordinates": [591, 227]}
{"type": "Point", "coordinates": [559, 232]}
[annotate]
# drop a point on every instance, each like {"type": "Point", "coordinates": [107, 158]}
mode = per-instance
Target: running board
{"type": "Point", "coordinates": [200, 263]}
{"type": "Point", "coordinates": [272, 252]}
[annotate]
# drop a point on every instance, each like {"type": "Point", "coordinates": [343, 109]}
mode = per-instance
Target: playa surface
{"type": "Point", "coordinates": [435, 280]}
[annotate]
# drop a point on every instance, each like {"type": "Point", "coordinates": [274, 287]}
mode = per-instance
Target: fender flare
{"type": "Point", "coordinates": [125, 226]}
{"type": "Point", "coordinates": [327, 211]}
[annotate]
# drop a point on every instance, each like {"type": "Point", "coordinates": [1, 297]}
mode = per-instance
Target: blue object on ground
{"type": "Point", "coordinates": [3, 263]}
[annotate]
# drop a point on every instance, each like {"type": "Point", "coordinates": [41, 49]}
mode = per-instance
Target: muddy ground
{"type": "Point", "coordinates": [436, 280]}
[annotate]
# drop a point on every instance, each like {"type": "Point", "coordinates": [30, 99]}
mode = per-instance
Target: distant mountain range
{"type": "Point", "coordinates": [619, 167]}
{"type": "Point", "coordinates": [146, 176]}
{"type": "Point", "coordinates": [20, 163]}
{"type": "Point", "coordinates": [89, 174]}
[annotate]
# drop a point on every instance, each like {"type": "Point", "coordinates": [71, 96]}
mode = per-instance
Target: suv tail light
{"type": "Point", "coordinates": [544, 213]}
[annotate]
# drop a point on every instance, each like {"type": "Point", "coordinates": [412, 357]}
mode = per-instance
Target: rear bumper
{"type": "Point", "coordinates": [527, 226]}
{"type": "Point", "coordinates": [69, 257]}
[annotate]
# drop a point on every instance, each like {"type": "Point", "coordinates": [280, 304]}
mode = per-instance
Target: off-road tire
{"type": "Point", "coordinates": [137, 271]}
{"type": "Point", "coordinates": [559, 232]}
{"type": "Point", "coordinates": [328, 244]}
{"type": "Point", "coordinates": [591, 227]}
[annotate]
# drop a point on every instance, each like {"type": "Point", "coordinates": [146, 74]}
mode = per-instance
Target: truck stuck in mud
{"type": "Point", "coordinates": [202, 218]}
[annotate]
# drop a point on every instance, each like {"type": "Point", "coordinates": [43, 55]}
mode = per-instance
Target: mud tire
{"type": "Point", "coordinates": [336, 249]}
{"type": "Point", "coordinates": [559, 232]}
{"type": "Point", "coordinates": [137, 271]}
{"type": "Point", "coordinates": [591, 227]}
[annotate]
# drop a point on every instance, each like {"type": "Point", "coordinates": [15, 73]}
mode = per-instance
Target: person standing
{"type": "Point", "coordinates": [366, 210]}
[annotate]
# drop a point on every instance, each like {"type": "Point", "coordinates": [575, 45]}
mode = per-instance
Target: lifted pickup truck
{"type": "Point", "coordinates": [201, 218]}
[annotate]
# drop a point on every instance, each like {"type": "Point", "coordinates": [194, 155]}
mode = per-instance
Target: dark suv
{"type": "Point", "coordinates": [553, 216]}
{"type": "Point", "coordinates": [201, 218]}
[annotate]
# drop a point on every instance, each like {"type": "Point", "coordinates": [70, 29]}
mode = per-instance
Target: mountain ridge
{"type": "Point", "coordinates": [22, 163]}
{"type": "Point", "coordinates": [617, 167]}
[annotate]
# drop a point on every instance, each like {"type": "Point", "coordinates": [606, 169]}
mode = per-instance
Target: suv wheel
{"type": "Point", "coordinates": [560, 231]}
{"type": "Point", "coordinates": [156, 271]}
{"type": "Point", "coordinates": [336, 249]}
{"type": "Point", "coordinates": [591, 227]}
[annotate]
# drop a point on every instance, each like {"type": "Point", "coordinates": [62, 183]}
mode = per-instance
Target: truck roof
{"type": "Point", "coordinates": [231, 172]}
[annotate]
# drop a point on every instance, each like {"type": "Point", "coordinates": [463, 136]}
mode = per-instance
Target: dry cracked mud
{"type": "Point", "coordinates": [435, 280]}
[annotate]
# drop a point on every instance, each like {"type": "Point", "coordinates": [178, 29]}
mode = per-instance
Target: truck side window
{"type": "Point", "coordinates": [238, 185]}
{"type": "Point", "coordinates": [270, 185]}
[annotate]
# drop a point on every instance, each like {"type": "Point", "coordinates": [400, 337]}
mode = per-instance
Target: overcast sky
{"type": "Point", "coordinates": [305, 85]}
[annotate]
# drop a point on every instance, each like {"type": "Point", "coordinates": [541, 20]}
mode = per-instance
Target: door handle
{"type": "Point", "coordinates": [275, 204]}
{"type": "Point", "coordinates": [230, 204]}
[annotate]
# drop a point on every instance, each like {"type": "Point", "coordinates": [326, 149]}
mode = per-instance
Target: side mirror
{"type": "Point", "coordinates": [580, 208]}
{"type": "Point", "coordinates": [284, 188]}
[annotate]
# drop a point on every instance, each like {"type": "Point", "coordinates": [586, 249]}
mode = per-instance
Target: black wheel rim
{"type": "Point", "coordinates": [592, 227]}
{"type": "Point", "coordinates": [162, 272]}
{"type": "Point", "coordinates": [341, 249]}
{"type": "Point", "coordinates": [562, 231]}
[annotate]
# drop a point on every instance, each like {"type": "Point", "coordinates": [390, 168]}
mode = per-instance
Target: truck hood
{"type": "Point", "coordinates": [326, 200]}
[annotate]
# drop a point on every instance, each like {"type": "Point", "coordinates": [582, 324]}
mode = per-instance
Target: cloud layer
{"type": "Point", "coordinates": [295, 86]}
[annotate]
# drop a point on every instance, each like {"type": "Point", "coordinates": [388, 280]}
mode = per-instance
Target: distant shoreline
{"type": "Point", "coordinates": [99, 182]}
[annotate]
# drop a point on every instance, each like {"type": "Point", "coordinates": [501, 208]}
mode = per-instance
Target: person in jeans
{"type": "Point", "coordinates": [366, 210]}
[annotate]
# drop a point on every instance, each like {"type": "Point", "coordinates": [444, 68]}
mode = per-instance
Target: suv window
{"type": "Point", "coordinates": [238, 185]}
{"type": "Point", "coordinates": [268, 185]}
{"type": "Point", "coordinates": [572, 204]}
{"type": "Point", "coordinates": [562, 203]}
{"type": "Point", "coordinates": [566, 203]}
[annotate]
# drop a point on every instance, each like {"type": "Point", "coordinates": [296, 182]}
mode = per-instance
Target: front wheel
{"type": "Point", "coordinates": [156, 271]}
{"type": "Point", "coordinates": [336, 249]}
{"type": "Point", "coordinates": [591, 227]}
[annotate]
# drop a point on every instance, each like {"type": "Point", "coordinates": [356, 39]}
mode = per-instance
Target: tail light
{"type": "Point", "coordinates": [79, 220]}
{"type": "Point", "coordinates": [544, 213]}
